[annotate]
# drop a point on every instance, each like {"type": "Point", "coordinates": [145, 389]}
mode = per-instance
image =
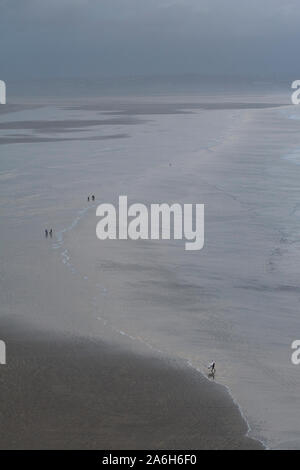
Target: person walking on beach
{"type": "Point", "coordinates": [50, 232]}
{"type": "Point", "coordinates": [212, 368]}
{"type": "Point", "coordinates": [46, 233]}
{"type": "Point", "coordinates": [93, 197]}
{"type": "Point", "coordinates": [88, 198]}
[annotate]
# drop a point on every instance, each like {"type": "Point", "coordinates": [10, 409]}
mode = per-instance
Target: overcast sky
{"type": "Point", "coordinates": [68, 38]}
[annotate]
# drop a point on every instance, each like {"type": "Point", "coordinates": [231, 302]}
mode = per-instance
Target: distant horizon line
{"type": "Point", "coordinates": [188, 75]}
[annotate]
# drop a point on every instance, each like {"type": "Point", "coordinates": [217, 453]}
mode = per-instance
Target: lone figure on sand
{"type": "Point", "coordinates": [46, 233]}
{"type": "Point", "coordinates": [212, 369]}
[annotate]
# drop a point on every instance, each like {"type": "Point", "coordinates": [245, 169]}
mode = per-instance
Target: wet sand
{"type": "Point", "coordinates": [209, 306]}
{"type": "Point", "coordinates": [59, 392]}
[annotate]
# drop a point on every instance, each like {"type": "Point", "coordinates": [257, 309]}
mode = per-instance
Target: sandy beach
{"type": "Point", "coordinates": [61, 392]}
{"type": "Point", "coordinates": [109, 337]}
{"type": "Point", "coordinates": [149, 227]}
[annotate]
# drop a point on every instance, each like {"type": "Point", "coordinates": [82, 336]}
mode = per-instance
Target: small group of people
{"type": "Point", "coordinates": [48, 232]}
{"type": "Point", "coordinates": [92, 197]}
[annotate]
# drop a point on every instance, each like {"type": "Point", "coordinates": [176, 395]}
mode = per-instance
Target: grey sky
{"type": "Point", "coordinates": [122, 37]}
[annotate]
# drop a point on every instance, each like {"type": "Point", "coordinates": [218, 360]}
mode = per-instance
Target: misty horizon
{"type": "Point", "coordinates": [85, 38]}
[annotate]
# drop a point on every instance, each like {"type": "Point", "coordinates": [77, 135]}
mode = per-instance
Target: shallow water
{"type": "Point", "coordinates": [235, 302]}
